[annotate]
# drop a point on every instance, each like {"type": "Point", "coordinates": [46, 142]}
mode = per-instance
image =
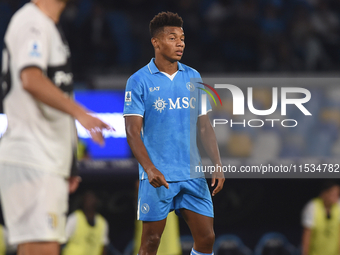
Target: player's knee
{"type": "Point", "coordinates": [153, 241]}
{"type": "Point", "coordinates": [207, 240]}
{"type": "Point", "coordinates": [211, 239]}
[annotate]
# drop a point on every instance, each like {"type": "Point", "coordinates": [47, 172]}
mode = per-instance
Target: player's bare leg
{"type": "Point", "coordinates": [202, 230]}
{"type": "Point", "coordinates": [39, 248]}
{"type": "Point", "coordinates": [151, 236]}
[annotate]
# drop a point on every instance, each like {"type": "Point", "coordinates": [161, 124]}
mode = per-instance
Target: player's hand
{"type": "Point", "coordinates": [217, 177]}
{"type": "Point", "coordinates": [156, 178]}
{"type": "Point", "coordinates": [74, 183]}
{"type": "Point", "coordinates": [95, 126]}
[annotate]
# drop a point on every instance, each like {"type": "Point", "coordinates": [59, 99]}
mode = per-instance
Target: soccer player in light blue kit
{"type": "Point", "coordinates": [164, 111]}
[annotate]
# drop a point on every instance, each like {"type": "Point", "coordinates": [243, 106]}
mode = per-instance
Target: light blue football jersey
{"type": "Point", "coordinates": [170, 111]}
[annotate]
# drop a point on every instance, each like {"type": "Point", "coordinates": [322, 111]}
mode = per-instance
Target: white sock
{"type": "Point", "coordinates": [193, 252]}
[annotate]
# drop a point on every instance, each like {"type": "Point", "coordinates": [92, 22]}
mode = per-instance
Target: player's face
{"type": "Point", "coordinates": [90, 201]}
{"type": "Point", "coordinates": [63, 3]}
{"type": "Point", "coordinates": [331, 196]}
{"type": "Point", "coordinates": [171, 43]}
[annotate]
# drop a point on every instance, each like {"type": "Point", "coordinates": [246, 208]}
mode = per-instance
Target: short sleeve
{"type": "Point", "coordinates": [134, 98]}
{"type": "Point", "coordinates": [106, 239]}
{"type": "Point", "coordinates": [31, 46]}
{"type": "Point", "coordinates": [307, 220]}
{"type": "Point", "coordinates": [204, 105]}
{"type": "Point", "coordinates": [339, 206]}
{"type": "Point", "coordinates": [5, 236]}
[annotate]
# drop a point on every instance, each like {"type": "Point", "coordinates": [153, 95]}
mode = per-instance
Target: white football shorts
{"type": "Point", "coordinates": [34, 204]}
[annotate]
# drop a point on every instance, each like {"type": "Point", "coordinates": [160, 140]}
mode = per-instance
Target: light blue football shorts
{"type": "Point", "coordinates": [154, 204]}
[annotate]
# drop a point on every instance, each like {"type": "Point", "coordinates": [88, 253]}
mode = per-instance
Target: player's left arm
{"type": "Point", "coordinates": [106, 240]}
{"type": "Point", "coordinates": [74, 182]}
{"type": "Point", "coordinates": [339, 242]}
{"type": "Point", "coordinates": [306, 238]}
{"type": "Point", "coordinates": [104, 250]}
{"type": "Point", "coordinates": [208, 138]}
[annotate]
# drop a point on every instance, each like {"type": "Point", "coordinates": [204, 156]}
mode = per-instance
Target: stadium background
{"type": "Point", "coordinates": [109, 40]}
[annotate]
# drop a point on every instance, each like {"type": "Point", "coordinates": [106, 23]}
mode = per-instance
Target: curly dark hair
{"type": "Point", "coordinates": [163, 19]}
{"type": "Point", "coordinates": [326, 185]}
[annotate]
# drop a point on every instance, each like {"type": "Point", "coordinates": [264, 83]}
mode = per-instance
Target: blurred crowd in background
{"type": "Point", "coordinates": [221, 35]}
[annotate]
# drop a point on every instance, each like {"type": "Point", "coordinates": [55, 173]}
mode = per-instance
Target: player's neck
{"type": "Point", "coordinates": [52, 9]}
{"type": "Point", "coordinates": [328, 206]}
{"type": "Point", "coordinates": [166, 66]}
{"type": "Point", "coordinates": [89, 213]}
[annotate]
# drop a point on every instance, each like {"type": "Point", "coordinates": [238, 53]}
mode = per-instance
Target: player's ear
{"type": "Point", "coordinates": [154, 42]}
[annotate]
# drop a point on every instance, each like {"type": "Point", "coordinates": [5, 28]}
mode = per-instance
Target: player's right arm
{"type": "Point", "coordinates": [306, 236]}
{"type": "Point", "coordinates": [307, 223]}
{"type": "Point", "coordinates": [30, 47]}
{"type": "Point", "coordinates": [133, 126]}
{"type": "Point", "coordinates": [42, 88]}
{"type": "Point", "coordinates": [134, 111]}
{"type": "Point", "coordinates": [339, 242]}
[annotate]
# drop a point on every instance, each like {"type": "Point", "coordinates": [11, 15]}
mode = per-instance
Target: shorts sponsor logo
{"type": "Point", "coordinates": [52, 220]}
{"type": "Point", "coordinates": [145, 208]}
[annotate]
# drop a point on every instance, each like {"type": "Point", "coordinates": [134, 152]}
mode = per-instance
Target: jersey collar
{"type": "Point", "coordinates": [153, 68]}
